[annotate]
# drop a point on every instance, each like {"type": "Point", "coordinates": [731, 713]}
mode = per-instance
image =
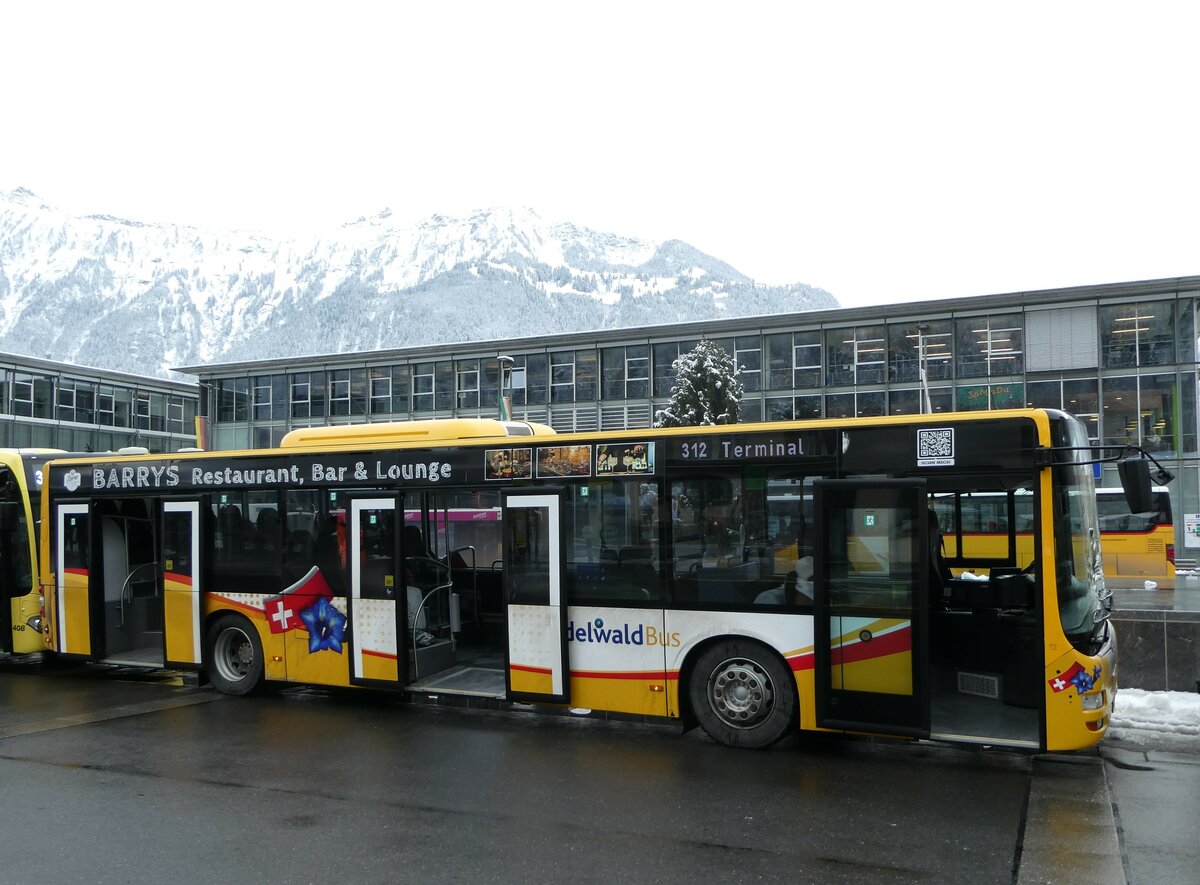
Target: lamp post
{"type": "Point", "coordinates": [922, 371]}
{"type": "Point", "coordinates": [504, 402]}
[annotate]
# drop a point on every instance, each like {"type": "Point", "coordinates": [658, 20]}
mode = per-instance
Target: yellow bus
{"type": "Point", "coordinates": [668, 573]}
{"type": "Point", "coordinates": [20, 511]}
{"type": "Point", "coordinates": [1136, 547]}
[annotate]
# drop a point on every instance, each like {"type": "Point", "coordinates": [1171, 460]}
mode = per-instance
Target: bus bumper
{"type": "Point", "coordinates": [1080, 693]}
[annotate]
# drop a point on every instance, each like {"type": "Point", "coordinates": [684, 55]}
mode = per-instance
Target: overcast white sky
{"type": "Point", "coordinates": [883, 151]}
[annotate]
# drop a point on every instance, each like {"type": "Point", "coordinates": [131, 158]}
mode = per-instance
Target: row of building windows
{"type": "Point", "coordinates": [1156, 411]}
{"type": "Point", "coordinates": [980, 347]}
{"type": "Point", "coordinates": [79, 401]}
{"type": "Point", "coordinates": [17, 434]}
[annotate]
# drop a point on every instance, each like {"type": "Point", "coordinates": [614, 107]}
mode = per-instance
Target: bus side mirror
{"type": "Point", "coordinates": [10, 516]}
{"type": "Point", "coordinates": [1135, 481]}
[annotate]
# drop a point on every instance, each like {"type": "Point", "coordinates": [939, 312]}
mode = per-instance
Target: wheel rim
{"type": "Point", "coordinates": [233, 654]}
{"type": "Point", "coordinates": [741, 693]}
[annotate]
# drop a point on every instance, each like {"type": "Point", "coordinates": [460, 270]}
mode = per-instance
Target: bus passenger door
{"type": "Point", "coordinates": [72, 570]}
{"type": "Point", "coordinates": [533, 589]}
{"type": "Point", "coordinates": [870, 594]}
{"type": "Point", "coordinates": [377, 607]}
{"type": "Point", "coordinates": [179, 554]}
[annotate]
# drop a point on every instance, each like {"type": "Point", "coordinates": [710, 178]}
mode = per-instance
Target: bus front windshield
{"type": "Point", "coordinates": [1079, 573]}
{"type": "Point", "coordinates": [16, 569]}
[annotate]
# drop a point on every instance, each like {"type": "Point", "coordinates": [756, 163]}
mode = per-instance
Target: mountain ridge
{"type": "Point", "coordinates": [143, 297]}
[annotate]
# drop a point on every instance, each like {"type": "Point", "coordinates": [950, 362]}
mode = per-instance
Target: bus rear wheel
{"type": "Point", "coordinates": [235, 655]}
{"type": "Point", "coordinates": [742, 694]}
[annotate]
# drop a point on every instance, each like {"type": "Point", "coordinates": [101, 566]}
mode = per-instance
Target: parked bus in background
{"type": "Point", "coordinates": [20, 513]}
{"type": "Point", "coordinates": [750, 579]}
{"type": "Point", "coordinates": [1136, 547]}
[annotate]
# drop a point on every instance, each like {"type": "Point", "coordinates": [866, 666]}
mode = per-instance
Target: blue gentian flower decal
{"type": "Point", "coordinates": [1084, 681]}
{"type": "Point", "coordinates": [326, 626]}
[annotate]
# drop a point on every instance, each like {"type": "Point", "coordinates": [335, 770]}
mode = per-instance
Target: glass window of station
{"type": "Point", "coordinates": [91, 414]}
{"type": "Point", "coordinates": [1129, 386]}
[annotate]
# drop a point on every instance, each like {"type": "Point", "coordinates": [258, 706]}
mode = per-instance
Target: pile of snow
{"type": "Point", "coordinates": [1177, 712]}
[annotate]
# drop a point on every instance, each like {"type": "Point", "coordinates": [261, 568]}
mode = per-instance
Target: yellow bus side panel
{"type": "Point", "coordinates": [178, 619]}
{"type": "Point", "coordinates": [535, 681]}
{"type": "Point", "coordinates": [384, 667]}
{"type": "Point", "coordinates": [273, 650]}
{"type": "Point", "coordinates": [806, 692]}
{"type": "Point", "coordinates": [873, 656]}
{"type": "Point", "coordinates": [638, 693]}
{"type": "Point", "coordinates": [79, 622]}
{"type": "Point", "coordinates": [890, 674]}
{"type": "Point", "coordinates": [324, 667]}
{"type": "Point", "coordinates": [25, 639]}
{"type": "Point", "coordinates": [1136, 557]}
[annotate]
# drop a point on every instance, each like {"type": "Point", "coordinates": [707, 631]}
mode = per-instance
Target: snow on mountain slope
{"type": "Point", "coordinates": [120, 294]}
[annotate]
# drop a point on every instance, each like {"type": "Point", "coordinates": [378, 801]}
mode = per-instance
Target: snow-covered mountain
{"type": "Point", "coordinates": [118, 294]}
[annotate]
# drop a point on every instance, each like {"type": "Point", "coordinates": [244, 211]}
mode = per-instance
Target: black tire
{"type": "Point", "coordinates": [234, 659]}
{"type": "Point", "coordinates": [742, 694]}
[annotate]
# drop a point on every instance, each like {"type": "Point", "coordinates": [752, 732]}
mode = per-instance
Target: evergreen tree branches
{"type": "Point", "coordinates": [706, 389]}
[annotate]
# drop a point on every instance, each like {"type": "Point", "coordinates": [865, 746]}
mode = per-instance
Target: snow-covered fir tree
{"type": "Point", "coordinates": [706, 389]}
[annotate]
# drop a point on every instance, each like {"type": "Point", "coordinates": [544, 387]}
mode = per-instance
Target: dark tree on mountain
{"type": "Point", "coordinates": [706, 389]}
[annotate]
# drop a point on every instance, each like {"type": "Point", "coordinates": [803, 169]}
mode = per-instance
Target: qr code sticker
{"type": "Point", "coordinates": [935, 448]}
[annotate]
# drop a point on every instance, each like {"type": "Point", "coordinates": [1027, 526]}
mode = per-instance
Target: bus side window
{"type": "Point", "coordinates": [299, 536]}
{"type": "Point", "coordinates": [612, 542]}
{"type": "Point", "coordinates": [723, 553]}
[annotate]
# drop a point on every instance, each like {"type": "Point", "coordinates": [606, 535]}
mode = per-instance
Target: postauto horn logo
{"type": "Point", "coordinates": [625, 634]}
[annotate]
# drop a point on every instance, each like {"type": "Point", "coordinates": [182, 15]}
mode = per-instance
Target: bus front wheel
{"type": "Point", "coordinates": [235, 655]}
{"type": "Point", "coordinates": [742, 694]}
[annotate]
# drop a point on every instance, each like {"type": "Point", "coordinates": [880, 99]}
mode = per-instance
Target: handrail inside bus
{"type": "Point", "coordinates": [417, 619]}
{"type": "Point", "coordinates": [128, 586]}
{"type": "Point", "coordinates": [474, 577]}
{"type": "Point", "coordinates": [470, 547]}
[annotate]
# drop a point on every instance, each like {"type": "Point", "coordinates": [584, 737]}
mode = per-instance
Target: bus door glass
{"type": "Point", "coordinates": [180, 558]}
{"type": "Point", "coordinates": [72, 558]}
{"type": "Point", "coordinates": [377, 604]}
{"type": "Point", "coordinates": [533, 588]}
{"type": "Point", "coordinates": [869, 591]}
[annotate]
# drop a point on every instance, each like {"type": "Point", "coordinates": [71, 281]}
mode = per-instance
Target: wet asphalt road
{"type": "Point", "coordinates": [110, 777]}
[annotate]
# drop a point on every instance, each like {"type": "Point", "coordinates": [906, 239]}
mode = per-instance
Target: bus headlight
{"type": "Point", "coordinates": [35, 623]}
{"type": "Point", "coordinates": [1093, 701]}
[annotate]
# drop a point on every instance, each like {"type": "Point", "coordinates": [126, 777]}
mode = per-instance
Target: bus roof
{"type": "Point", "coordinates": [420, 433]}
{"type": "Point", "coordinates": [433, 430]}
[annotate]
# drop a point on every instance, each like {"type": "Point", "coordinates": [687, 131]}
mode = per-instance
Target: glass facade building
{"type": "Point", "coordinates": [46, 404]}
{"type": "Point", "coordinates": [1122, 357]}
